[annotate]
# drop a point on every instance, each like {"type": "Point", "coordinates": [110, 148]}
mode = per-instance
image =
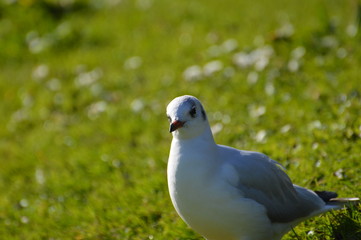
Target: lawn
{"type": "Point", "coordinates": [84, 85]}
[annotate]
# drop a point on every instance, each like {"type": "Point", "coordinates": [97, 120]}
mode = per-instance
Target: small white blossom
{"type": "Point", "coordinates": [193, 73]}
{"type": "Point", "coordinates": [133, 63]}
{"type": "Point", "coordinates": [212, 67]}
{"type": "Point", "coordinates": [137, 105]}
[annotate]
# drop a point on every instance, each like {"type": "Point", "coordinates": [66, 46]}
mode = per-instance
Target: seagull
{"type": "Point", "coordinates": [228, 194]}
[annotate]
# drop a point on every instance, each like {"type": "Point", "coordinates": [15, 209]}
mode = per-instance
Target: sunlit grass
{"type": "Point", "coordinates": [83, 85]}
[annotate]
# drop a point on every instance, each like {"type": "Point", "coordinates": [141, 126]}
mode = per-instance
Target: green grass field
{"type": "Point", "coordinates": [84, 85]}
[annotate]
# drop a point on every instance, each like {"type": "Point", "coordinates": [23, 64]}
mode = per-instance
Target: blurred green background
{"type": "Point", "coordinates": [84, 85]}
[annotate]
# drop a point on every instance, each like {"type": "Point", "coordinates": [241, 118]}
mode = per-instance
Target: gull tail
{"type": "Point", "coordinates": [331, 200]}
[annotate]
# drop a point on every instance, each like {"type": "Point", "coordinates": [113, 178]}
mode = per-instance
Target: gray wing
{"type": "Point", "coordinates": [264, 180]}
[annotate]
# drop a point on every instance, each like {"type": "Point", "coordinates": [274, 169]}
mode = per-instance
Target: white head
{"type": "Point", "coordinates": [187, 117]}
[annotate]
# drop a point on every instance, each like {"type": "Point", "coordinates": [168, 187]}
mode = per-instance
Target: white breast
{"type": "Point", "coordinates": [208, 203]}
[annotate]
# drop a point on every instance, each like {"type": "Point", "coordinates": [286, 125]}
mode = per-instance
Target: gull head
{"type": "Point", "coordinates": [187, 117]}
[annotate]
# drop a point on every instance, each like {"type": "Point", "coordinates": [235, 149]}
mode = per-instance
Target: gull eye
{"type": "Point", "coordinates": [193, 112]}
{"type": "Point", "coordinates": [169, 118]}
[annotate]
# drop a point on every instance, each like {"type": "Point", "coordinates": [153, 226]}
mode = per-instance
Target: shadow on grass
{"type": "Point", "coordinates": [345, 225]}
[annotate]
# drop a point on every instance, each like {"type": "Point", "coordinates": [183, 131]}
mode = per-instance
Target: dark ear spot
{"type": "Point", "coordinates": [203, 114]}
{"type": "Point", "coordinates": [193, 112]}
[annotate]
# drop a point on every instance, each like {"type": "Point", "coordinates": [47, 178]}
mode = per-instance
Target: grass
{"type": "Point", "coordinates": [84, 86]}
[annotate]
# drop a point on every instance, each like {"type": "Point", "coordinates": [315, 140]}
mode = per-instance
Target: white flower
{"type": "Point", "coordinates": [293, 65]}
{"type": "Point", "coordinates": [260, 136]}
{"type": "Point", "coordinates": [258, 58]}
{"type": "Point", "coordinates": [216, 128]}
{"type": "Point", "coordinates": [229, 45]}
{"type": "Point", "coordinates": [88, 78]}
{"type": "Point", "coordinates": [40, 72]}
{"type": "Point", "coordinates": [133, 63]}
{"type": "Point", "coordinates": [193, 73]}
{"type": "Point", "coordinates": [352, 30]}
{"type": "Point", "coordinates": [212, 67]}
{"type": "Point", "coordinates": [252, 77]}
{"type": "Point", "coordinates": [96, 108]}
{"type": "Point", "coordinates": [137, 105]}
{"type": "Point", "coordinates": [242, 60]}
{"type": "Point", "coordinates": [298, 52]}
{"type": "Point", "coordinates": [285, 128]}
{"type": "Point", "coordinates": [54, 84]}
{"type": "Point", "coordinates": [256, 111]}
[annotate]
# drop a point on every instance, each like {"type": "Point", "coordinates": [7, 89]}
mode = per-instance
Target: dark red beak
{"type": "Point", "coordinates": [175, 125]}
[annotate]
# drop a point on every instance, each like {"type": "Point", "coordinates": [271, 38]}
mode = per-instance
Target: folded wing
{"type": "Point", "coordinates": [262, 179]}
